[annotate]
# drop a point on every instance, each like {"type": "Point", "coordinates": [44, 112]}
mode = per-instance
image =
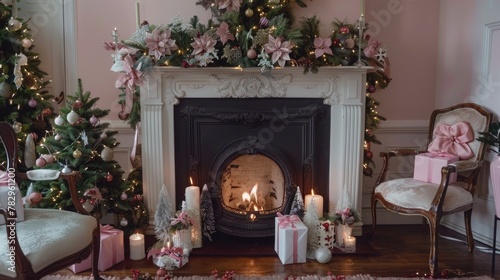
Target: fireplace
{"type": "Point", "coordinates": [336, 161]}
{"type": "Point", "coordinates": [253, 154]}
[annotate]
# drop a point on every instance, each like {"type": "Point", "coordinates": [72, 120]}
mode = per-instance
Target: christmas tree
{"type": "Point", "coordinates": [81, 142]}
{"type": "Point", "coordinates": [24, 101]}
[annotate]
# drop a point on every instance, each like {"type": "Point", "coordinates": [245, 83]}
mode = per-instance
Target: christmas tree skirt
{"type": "Point", "coordinates": [227, 245]}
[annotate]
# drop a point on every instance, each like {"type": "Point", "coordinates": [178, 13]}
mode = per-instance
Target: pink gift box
{"type": "Point", "coordinates": [111, 251]}
{"type": "Point", "coordinates": [290, 240]}
{"type": "Point", "coordinates": [428, 167]}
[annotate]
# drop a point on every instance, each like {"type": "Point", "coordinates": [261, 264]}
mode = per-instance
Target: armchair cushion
{"type": "Point", "coordinates": [413, 194]}
{"type": "Point", "coordinates": [64, 233]}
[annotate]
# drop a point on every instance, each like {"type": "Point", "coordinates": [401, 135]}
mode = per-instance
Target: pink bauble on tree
{"type": "Point", "coordinates": [32, 103]}
{"type": "Point", "coordinates": [40, 162]}
{"type": "Point", "coordinates": [93, 120]}
{"type": "Point", "coordinates": [251, 53]}
{"type": "Point", "coordinates": [35, 197]}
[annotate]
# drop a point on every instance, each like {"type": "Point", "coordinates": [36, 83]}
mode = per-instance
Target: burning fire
{"type": "Point", "coordinates": [250, 200]}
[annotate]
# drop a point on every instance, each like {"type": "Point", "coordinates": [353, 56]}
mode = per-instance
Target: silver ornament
{"type": "Point", "coordinates": [58, 137]}
{"type": "Point", "coordinates": [66, 170]}
{"type": "Point", "coordinates": [27, 43]}
{"type": "Point", "coordinates": [103, 136]}
{"type": "Point", "coordinates": [123, 222]}
{"type": "Point", "coordinates": [323, 255]}
{"type": "Point", "coordinates": [14, 24]}
{"type": "Point", "coordinates": [107, 154]}
{"type": "Point", "coordinates": [17, 126]}
{"type": "Point", "coordinates": [88, 206]}
{"type": "Point", "coordinates": [72, 117]}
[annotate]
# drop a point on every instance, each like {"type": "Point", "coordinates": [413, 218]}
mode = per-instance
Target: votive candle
{"type": "Point", "coordinates": [137, 249]}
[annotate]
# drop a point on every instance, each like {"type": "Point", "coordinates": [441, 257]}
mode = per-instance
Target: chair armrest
{"type": "Point", "coordinates": [461, 166]}
{"type": "Point", "coordinates": [388, 155]}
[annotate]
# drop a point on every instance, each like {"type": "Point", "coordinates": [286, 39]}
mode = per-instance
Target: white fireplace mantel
{"type": "Point", "coordinates": [341, 87]}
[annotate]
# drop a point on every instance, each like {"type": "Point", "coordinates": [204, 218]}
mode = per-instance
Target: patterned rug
{"type": "Point", "coordinates": [270, 277]}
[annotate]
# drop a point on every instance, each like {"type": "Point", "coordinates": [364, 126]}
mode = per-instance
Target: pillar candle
{"type": "Point", "coordinates": [318, 201]}
{"type": "Point", "coordinates": [192, 197]}
{"type": "Point", "coordinates": [193, 209]}
{"type": "Point", "coordinates": [137, 251]}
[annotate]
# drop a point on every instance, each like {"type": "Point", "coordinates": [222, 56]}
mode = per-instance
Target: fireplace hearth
{"type": "Point", "coordinates": [339, 152]}
{"type": "Point", "coordinates": [253, 154]}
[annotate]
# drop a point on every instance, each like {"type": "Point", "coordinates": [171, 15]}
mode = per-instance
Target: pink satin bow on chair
{"type": "Point", "coordinates": [452, 139]}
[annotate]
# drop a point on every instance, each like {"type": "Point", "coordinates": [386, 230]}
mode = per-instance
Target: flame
{"type": "Point", "coordinates": [312, 191]}
{"type": "Point", "coordinates": [191, 180]}
{"type": "Point", "coordinates": [251, 199]}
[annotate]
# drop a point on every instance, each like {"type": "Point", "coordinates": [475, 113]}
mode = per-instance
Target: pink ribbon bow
{"type": "Point", "coordinates": [452, 139]}
{"type": "Point", "coordinates": [285, 221]}
{"type": "Point", "coordinates": [176, 251]}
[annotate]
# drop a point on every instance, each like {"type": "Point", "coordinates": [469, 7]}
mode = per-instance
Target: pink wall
{"type": "Point", "coordinates": [411, 42]}
{"type": "Point", "coordinates": [409, 30]}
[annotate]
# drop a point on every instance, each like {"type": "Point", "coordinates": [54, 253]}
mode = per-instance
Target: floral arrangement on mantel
{"type": "Point", "coordinates": [250, 33]}
{"type": "Point", "coordinates": [347, 216]}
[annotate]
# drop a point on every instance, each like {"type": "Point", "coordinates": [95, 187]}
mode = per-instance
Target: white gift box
{"type": "Point", "coordinates": [290, 240]}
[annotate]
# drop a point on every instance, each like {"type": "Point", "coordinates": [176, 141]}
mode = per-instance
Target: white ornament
{"type": "Point", "coordinates": [59, 120]}
{"type": "Point", "coordinates": [72, 117]}
{"type": "Point", "coordinates": [66, 170]}
{"type": "Point", "coordinates": [17, 127]}
{"type": "Point", "coordinates": [14, 24]}
{"type": "Point", "coordinates": [107, 154]}
{"type": "Point", "coordinates": [323, 255]}
{"type": "Point", "coordinates": [88, 206]}
{"type": "Point", "coordinates": [27, 43]}
{"type": "Point", "coordinates": [123, 222]}
{"type": "Point", "coordinates": [103, 136]}
{"type": "Point", "coordinates": [58, 137]}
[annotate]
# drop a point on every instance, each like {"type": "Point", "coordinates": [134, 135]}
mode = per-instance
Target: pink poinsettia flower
{"type": "Point", "coordinates": [223, 32]}
{"type": "Point", "coordinates": [160, 43]}
{"type": "Point", "coordinates": [279, 50]}
{"type": "Point", "coordinates": [203, 44]}
{"type": "Point", "coordinates": [130, 77]}
{"type": "Point", "coordinates": [372, 49]}
{"type": "Point", "coordinates": [229, 5]}
{"type": "Point", "coordinates": [322, 46]}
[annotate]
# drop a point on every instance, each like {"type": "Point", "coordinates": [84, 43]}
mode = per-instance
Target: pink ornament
{"type": "Point", "coordinates": [32, 103]}
{"type": "Point", "coordinates": [161, 272]}
{"type": "Point", "coordinates": [251, 53]}
{"type": "Point", "coordinates": [40, 162]}
{"type": "Point", "coordinates": [123, 196]}
{"type": "Point", "coordinates": [77, 104]}
{"type": "Point", "coordinates": [109, 177]}
{"type": "Point", "coordinates": [26, 43]}
{"type": "Point", "coordinates": [48, 158]}
{"type": "Point", "coordinates": [93, 120]}
{"type": "Point", "coordinates": [35, 197]}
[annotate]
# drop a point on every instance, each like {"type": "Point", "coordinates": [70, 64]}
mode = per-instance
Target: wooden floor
{"type": "Point", "coordinates": [400, 251]}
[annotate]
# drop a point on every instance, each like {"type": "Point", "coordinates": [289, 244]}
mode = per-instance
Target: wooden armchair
{"type": "Point", "coordinates": [433, 201]}
{"type": "Point", "coordinates": [48, 239]}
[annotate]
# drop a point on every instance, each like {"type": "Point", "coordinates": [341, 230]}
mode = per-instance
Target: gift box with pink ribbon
{"type": "Point", "coordinates": [428, 167]}
{"type": "Point", "coordinates": [290, 240]}
{"type": "Point", "coordinates": [448, 145]}
{"type": "Point", "coordinates": [169, 258]}
{"type": "Point", "coordinates": [111, 251]}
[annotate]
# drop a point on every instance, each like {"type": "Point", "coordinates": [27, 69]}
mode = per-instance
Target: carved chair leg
{"type": "Point", "coordinates": [96, 241]}
{"type": "Point", "coordinates": [468, 229]}
{"type": "Point", "coordinates": [374, 218]}
{"type": "Point", "coordinates": [433, 256]}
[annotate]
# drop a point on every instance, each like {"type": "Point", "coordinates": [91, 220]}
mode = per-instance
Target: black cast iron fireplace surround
{"type": "Point", "coordinates": [210, 133]}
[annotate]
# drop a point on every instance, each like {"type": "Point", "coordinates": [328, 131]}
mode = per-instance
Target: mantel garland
{"type": "Point", "coordinates": [250, 33]}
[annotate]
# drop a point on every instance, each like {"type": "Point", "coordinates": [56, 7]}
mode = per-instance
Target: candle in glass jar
{"type": "Point", "coordinates": [350, 243]}
{"type": "Point", "coordinates": [318, 201]}
{"type": "Point", "coordinates": [137, 249]}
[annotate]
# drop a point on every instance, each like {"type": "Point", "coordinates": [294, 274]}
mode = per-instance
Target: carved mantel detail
{"type": "Point", "coordinates": [341, 87]}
